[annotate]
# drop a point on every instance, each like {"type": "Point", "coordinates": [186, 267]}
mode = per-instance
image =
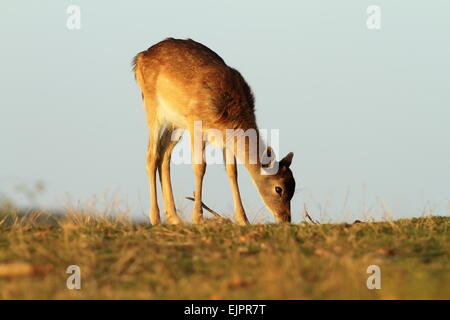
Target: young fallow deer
{"type": "Point", "coordinates": [182, 82]}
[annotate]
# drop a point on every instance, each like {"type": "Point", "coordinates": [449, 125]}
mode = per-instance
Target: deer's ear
{"type": "Point", "coordinates": [268, 159]}
{"type": "Point", "coordinates": [286, 161]}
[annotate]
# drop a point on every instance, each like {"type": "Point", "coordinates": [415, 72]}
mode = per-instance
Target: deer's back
{"type": "Point", "coordinates": [189, 79]}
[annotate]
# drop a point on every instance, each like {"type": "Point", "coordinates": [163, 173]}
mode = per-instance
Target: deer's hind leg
{"type": "Point", "coordinates": [152, 161]}
{"type": "Point", "coordinates": [168, 140]}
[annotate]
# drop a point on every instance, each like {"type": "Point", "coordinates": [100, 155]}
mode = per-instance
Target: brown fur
{"type": "Point", "coordinates": [224, 97]}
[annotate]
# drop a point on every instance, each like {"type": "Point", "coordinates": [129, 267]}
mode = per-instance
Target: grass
{"type": "Point", "coordinates": [220, 260]}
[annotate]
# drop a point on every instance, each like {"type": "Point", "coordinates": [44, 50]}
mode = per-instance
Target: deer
{"type": "Point", "coordinates": [181, 82]}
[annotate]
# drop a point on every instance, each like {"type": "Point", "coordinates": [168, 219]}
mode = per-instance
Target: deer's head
{"type": "Point", "coordinates": [277, 187]}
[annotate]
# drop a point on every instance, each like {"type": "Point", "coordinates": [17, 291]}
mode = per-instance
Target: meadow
{"type": "Point", "coordinates": [122, 259]}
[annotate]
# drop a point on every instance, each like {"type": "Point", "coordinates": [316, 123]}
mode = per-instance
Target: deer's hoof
{"type": "Point", "coordinates": [174, 220]}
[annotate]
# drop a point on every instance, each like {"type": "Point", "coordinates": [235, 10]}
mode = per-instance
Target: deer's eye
{"type": "Point", "coordinates": [278, 190]}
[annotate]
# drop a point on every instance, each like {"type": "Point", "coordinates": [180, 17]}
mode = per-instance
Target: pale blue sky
{"type": "Point", "coordinates": [366, 112]}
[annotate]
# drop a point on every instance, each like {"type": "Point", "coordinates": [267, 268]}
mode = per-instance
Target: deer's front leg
{"type": "Point", "coordinates": [199, 166]}
{"type": "Point", "coordinates": [239, 211]}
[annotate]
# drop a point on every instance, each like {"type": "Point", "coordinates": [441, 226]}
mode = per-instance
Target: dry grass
{"type": "Point", "coordinates": [220, 260]}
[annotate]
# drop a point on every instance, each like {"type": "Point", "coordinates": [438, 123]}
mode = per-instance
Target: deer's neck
{"type": "Point", "coordinates": [250, 153]}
